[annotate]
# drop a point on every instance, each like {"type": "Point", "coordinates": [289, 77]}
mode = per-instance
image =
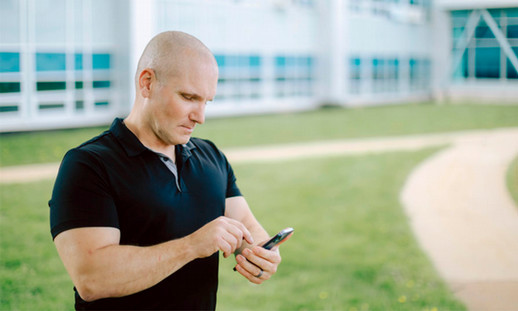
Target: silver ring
{"type": "Point", "coordinates": [260, 274]}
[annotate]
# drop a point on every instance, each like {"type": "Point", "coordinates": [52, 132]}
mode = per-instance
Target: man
{"type": "Point", "coordinates": [139, 213]}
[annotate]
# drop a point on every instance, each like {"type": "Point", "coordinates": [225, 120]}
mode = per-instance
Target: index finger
{"type": "Point", "coordinates": [246, 234]}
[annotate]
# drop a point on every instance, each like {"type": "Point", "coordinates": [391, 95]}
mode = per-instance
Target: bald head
{"type": "Point", "coordinates": [166, 53]}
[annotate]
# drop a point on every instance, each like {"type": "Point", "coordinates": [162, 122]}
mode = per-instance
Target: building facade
{"type": "Point", "coordinates": [71, 63]}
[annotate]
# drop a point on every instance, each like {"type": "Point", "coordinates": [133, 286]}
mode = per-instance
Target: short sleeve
{"type": "Point", "coordinates": [81, 195]}
{"type": "Point", "coordinates": [232, 188]}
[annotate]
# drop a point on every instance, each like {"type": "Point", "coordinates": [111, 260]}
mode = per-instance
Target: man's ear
{"type": "Point", "coordinates": [146, 78]}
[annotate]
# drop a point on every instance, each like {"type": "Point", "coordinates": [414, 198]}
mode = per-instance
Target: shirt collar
{"type": "Point", "coordinates": [132, 145]}
{"type": "Point", "coordinates": [185, 150]}
{"type": "Point", "coordinates": [126, 138]}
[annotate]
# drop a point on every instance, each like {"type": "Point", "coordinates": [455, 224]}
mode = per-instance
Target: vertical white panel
{"type": "Point", "coordinates": [50, 21]}
{"type": "Point", "coordinates": [333, 52]}
{"type": "Point", "coordinates": [442, 48]}
{"type": "Point", "coordinates": [9, 21]}
{"type": "Point", "coordinates": [143, 25]}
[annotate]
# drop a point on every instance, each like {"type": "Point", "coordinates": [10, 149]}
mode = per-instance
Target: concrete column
{"type": "Point", "coordinates": [333, 57]}
{"type": "Point", "coordinates": [143, 29]}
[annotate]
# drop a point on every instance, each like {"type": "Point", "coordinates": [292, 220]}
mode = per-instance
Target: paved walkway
{"type": "Point", "coordinates": [456, 200]}
{"type": "Point", "coordinates": [466, 220]}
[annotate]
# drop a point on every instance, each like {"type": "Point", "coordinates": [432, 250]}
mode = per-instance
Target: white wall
{"type": "Point", "coordinates": [474, 4]}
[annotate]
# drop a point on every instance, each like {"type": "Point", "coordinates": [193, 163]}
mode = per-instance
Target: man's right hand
{"type": "Point", "coordinates": [223, 233]}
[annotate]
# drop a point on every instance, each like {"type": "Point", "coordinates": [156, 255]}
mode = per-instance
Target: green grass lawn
{"type": "Point", "coordinates": [352, 249]}
{"type": "Point", "coordinates": [331, 123]}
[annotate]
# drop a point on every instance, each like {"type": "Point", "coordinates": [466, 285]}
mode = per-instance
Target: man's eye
{"type": "Point", "coordinates": [188, 97]}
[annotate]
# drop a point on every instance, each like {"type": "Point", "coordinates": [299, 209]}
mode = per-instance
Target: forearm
{"type": "Point", "coordinates": [100, 267]}
{"type": "Point", "coordinates": [121, 270]}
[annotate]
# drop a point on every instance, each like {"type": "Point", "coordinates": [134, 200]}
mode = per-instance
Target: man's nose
{"type": "Point", "coordinates": [198, 114]}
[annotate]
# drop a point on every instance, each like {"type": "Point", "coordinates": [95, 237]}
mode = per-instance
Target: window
{"type": "Point", "coordinates": [484, 58]}
{"type": "Point", "coordinates": [239, 76]}
{"type": "Point", "coordinates": [487, 62]}
{"type": "Point", "coordinates": [355, 66]}
{"type": "Point", "coordinates": [511, 71]}
{"type": "Point", "coordinates": [50, 61]}
{"type": "Point", "coordinates": [378, 75]}
{"type": "Point", "coordinates": [419, 73]}
{"type": "Point", "coordinates": [101, 61]}
{"type": "Point", "coordinates": [293, 76]}
{"type": "Point", "coordinates": [392, 75]}
{"type": "Point", "coordinates": [9, 62]}
{"type": "Point", "coordinates": [10, 69]}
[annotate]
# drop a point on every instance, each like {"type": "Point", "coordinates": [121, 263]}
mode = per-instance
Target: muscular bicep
{"type": "Point", "coordinates": [76, 247]}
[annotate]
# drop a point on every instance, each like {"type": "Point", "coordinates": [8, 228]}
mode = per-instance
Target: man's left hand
{"type": "Point", "coordinates": [258, 264]}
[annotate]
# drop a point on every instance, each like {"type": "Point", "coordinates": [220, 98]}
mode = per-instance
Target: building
{"type": "Point", "coordinates": [71, 63]}
{"type": "Point", "coordinates": [476, 49]}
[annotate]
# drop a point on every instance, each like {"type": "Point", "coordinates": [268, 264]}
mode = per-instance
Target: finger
{"type": "Point", "coordinates": [250, 271]}
{"type": "Point", "coordinates": [225, 247]}
{"type": "Point", "coordinates": [240, 231]}
{"type": "Point", "coordinates": [255, 261]}
{"type": "Point", "coordinates": [271, 256]}
{"type": "Point", "coordinates": [233, 241]}
{"type": "Point", "coordinates": [244, 232]}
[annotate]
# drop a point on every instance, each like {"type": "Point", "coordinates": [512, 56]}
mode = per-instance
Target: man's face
{"type": "Point", "coordinates": [178, 101]}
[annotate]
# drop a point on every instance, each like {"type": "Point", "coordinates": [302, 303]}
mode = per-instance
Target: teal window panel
{"type": "Point", "coordinates": [232, 60]}
{"type": "Point", "coordinates": [243, 61]}
{"type": "Point", "coordinates": [511, 71]}
{"type": "Point", "coordinates": [487, 63]}
{"type": "Point", "coordinates": [280, 61]}
{"type": "Point", "coordinates": [49, 106]}
{"type": "Point", "coordinates": [483, 32]}
{"type": "Point", "coordinates": [308, 61]}
{"type": "Point", "coordinates": [101, 61]}
{"type": "Point", "coordinates": [9, 62]}
{"type": "Point", "coordinates": [220, 59]}
{"type": "Point", "coordinates": [101, 84]}
{"type": "Point", "coordinates": [11, 108]}
{"type": "Point", "coordinates": [78, 61]}
{"type": "Point", "coordinates": [80, 105]}
{"type": "Point", "coordinates": [512, 31]}
{"type": "Point", "coordinates": [291, 61]}
{"type": "Point", "coordinates": [50, 61]}
{"type": "Point", "coordinates": [79, 84]}
{"type": "Point", "coordinates": [460, 13]}
{"type": "Point", "coordinates": [102, 104]}
{"type": "Point", "coordinates": [254, 61]}
{"type": "Point", "coordinates": [51, 86]}
{"type": "Point", "coordinates": [9, 87]}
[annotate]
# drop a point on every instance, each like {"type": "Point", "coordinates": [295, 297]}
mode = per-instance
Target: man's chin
{"type": "Point", "coordinates": [183, 140]}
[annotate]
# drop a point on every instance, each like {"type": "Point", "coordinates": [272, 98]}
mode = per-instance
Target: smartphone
{"type": "Point", "coordinates": [278, 238]}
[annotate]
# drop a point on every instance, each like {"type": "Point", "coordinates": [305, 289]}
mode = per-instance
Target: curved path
{"type": "Point", "coordinates": [466, 221]}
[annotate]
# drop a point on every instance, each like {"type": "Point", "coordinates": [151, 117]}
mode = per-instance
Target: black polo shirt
{"type": "Point", "coordinates": [113, 180]}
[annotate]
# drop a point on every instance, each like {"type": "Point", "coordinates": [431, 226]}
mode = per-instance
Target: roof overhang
{"type": "Point", "coordinates": [452, 5]}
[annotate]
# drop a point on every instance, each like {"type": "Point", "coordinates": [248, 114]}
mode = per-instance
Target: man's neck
{"type": "Point", "coordinates": [149, 139]}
